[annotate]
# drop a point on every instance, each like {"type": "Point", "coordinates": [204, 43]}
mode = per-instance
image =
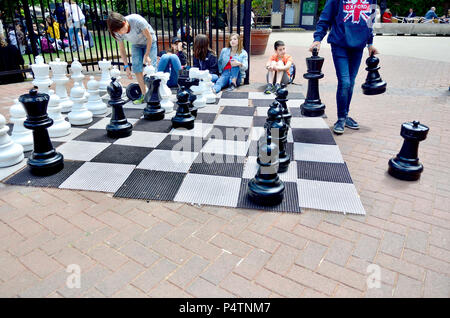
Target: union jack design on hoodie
{"type": "Point", "coordinates": [357, 9]}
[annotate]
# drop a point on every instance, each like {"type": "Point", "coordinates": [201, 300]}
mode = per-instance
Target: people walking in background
{"type": "Point", "coordinates": [75, 21]}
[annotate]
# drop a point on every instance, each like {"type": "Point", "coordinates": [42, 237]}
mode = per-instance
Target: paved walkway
{"type": "Point", "coordinates": [129, 248]}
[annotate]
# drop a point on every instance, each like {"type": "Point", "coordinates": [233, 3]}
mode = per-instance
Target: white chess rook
{"type": "Point", "coordinates": [165, 92]}
{"type": "Point", "coordinates": [60, 126]}
{"type": "Point", "coordinates": [11, 153]}
{"type": "Point", "coordinates": [59, 69]}
{"type": "Point", "coordinates": [95, 104]}
{"type": "Point", "coordinates": [41, 75]}
{"type": "Point", "coordinates": [105, 79]}
{"type": "Point", "coordinates": [20, 134]}
{"type": "Point", "coordinates": [79, 115]}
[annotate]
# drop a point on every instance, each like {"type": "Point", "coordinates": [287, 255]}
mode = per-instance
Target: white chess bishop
{"type": "Point", "coordinates": [19, 133]}
{"type": "Point", "coordinates": [59, 69]}
{"type": "Point", "coordinates": [79, 115]}
{"type": "Point", "coordinates": [105, 66]}
{"type": "Point", "coordinates": [95, 104]}
{"type": "Point", "coordinates": [41, 73]}
{"type": "Point", "coordinates": [77, 76]}
{"type": "Point", "coordinates": [165, 92]}
{"type": "Point", "coordinates": [60, 126]}
{"type": "Point", "coordinates": [11, 153]}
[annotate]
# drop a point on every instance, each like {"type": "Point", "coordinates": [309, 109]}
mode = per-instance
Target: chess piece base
{"type": "Point", "coordinates": [59, 128]}
{"type": "Point", "coordinates": [133, 91]}
{"type": "Point", "coordinates": [266, 192]}
{"type": "Point", "coordinates": [154, 114]}
{"type": "Point", "coordinates": [284, 163]}
{"type": "Point", "coordinates": [312, 110]}
{"type": "Point", "coordinates": [187, 122]}
{"type": "Point", "coordinates": [119, 130]}
{"type": "Point", "coordinates": [13, 156]}
{"type": "Point", "coordinates": [404, 170]}
{"type": "Point", "coordinates": [46, 164]}
{"type": "Point", "coordinates": [374, 89]}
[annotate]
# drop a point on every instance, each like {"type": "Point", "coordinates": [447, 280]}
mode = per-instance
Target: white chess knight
{"type": "Point", "coordinates": [59, 69]}
{"type": "Point", "coordinates": [149, 70]}
{"type": "Point", "coordinates": [105, 66]}
{"type": "Point", "coordinates": [77, 76]}
{"type": "Point", "coordinates": [79, 115]}
{"type": "Point", "coordinates": [95, 104]}
{"type": "Point", "coordinates": [41, 73]}
{"type": "Point", "coordinates": [165, 92]}
{"type": "Point", "coordinates": [19, 133]}
{"type": "Point", "coordinates": [60, 126]}
{"type": "Point", "coordinates": [11, 153]}
{"type": "Point", "coordinates": [201, 90]}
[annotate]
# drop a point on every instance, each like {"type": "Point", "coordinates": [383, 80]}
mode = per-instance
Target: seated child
{"type": "Point", "coordinates": [278, 67]}
{"type": "Point", "coordinates": [233, 62]}
{"type": "Point", "coordinates": [172, 61]}
{"type": "Point", "coordinates": [204, 57]}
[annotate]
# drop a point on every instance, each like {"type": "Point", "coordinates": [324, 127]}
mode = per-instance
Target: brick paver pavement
{"type": "Point", "coordinates": [131, 248]}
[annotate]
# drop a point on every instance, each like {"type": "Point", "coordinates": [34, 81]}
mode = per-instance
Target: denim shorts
{"type": "Point", "coordinates": [137, 56]}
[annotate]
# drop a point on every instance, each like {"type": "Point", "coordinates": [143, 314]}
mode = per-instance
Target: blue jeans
{"type": "Point", "coordinates": [73, 30]}
{"type": "Point", "coordinates": [346, 62]}
{"type": "Point", "coordinates": [137, 56]}
{"type": "Point", "coordinates": [170, 63]}
{"type": "Point", "coordinates": [226, 77]}
{"type": "Point", "coordinates": [214, 78]}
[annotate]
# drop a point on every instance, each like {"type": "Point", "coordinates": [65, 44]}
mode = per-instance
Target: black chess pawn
{"type": "Point", "coordinates": [266, 188]}
{"type": "Point", "coordinates": [153, 111]}
{"type": "Point", "coordinates": [406, 165]}
{"type": "Point", "coordinates": [282, 94]}
{"type": "Point", "coordinates": [313, 106]}
{"type": "Point", "coordinates": [44, 160]}
{"type": "Point", "coordinates": [183, 117]}
{"type": "Point", "coordinates": [279, 131]}
{"type": "Point", "coordinates": [118, 126]}
{"type": "Point", "coordinates": [193, 109]}
{"type": "Point", "coordinates": [373, 85]}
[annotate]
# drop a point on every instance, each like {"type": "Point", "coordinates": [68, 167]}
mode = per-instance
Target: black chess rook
{"type": "Point", "coordinates": [44, 160]}
{"type": "Point", "coordinates": [313, 106]}
{"type": "Point", "coordinates": [406, 165]}
{"type": "Point", "coordinates": [118, 127]}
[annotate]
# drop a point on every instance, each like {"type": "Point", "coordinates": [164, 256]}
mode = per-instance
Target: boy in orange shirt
{"type": "Point", "coordinates": [278, 68]}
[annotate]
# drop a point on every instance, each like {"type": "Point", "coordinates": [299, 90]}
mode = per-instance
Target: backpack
{"type": "Point", "coordinates": [46, 45]}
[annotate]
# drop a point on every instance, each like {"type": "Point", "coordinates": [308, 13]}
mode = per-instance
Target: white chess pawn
{"type": "Point", "coordinates": [165, 92]}
{"type": "Point", "coordinates": [60, 126]}
{"type": "Point", "coordinates": [20, 134]}
{"type": "Point", "coordinates": [79, 115]}
{"type": "Point", "coordinates": [41, 73]}
{"type": "Point", "coordinates": [10, 152]}
{"type": "Point", "coordinates": [208, 84]}
{"type": "Point", "coordinates": [105, 79]}
{"type": "Point", "coordinates": [115, 72]}
{"type": "Point", "coordinates": [95, 104]}
{"type": "Point", "coordinates": [200, 100]}
{"type": "Point", "coordinates": [59, 69]}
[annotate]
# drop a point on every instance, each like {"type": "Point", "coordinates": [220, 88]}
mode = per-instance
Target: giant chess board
{"type": "Point", "coordinates": [209, 165]}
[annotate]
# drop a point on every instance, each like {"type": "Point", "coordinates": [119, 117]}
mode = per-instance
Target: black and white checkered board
{"type": "Point", "coordinates": [210, 164]}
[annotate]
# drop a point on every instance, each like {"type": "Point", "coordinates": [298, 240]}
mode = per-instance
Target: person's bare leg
{"type": "Point", "coordinates": [279, 73]}
{"type": "Point", "coordinates": [140, 79]}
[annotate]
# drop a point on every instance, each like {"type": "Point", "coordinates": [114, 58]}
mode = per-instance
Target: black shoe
{"type": "Point", "coordinates": [350, 123]}
{"type": "Point", "coordinates": [339, 126]}
{"type": "Point", "coordinates": [269, 89]}
{"type": "Point", "coordinates": [232, 87]}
